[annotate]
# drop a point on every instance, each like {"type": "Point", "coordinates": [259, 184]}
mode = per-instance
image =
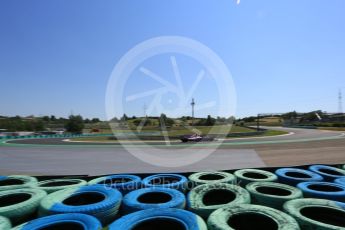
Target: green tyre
{"type": "Point", "coordinates": [5, 224]}
{"type": "Point", "coordinates": [54, 185]}
{"type": "Point", "coordinates": [316, 214]}
{"type": "Point", "coordinates": [212, 177]}
{"type": "Point", "coordinates": [204, 199]}
{"type": "Point", "coordinates": [246, 176]}
{"type": "Point", "coordinates": [20, 205]}
{"type": "Point", "coordinates": [16, 182]}
{"type": "Point", "coordinates": [272, 194]}
{"type": "Point", "coordinates": [248, 217]}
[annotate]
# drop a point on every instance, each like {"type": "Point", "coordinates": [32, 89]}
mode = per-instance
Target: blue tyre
{"type": "Point", "coordinates": [148, 198]}
{"type": "Point", "coordinates": [173, 181]}
{"type": "Point", "coordinates": [340, 181]}
{"type": "Point", "coordinates": [123, 183]}
{"type": "Point", "coordinates": [96, 200]}
{"type": "Point", "coordinates": [155, 219]}
{"type": "Point", "coordinates": [323, 190]}
{"type": "Point", "coordinates": [327, 172]}
{"type": "Point", "coordinates": [63, 221]}
{"type": "Point", "coordinates": [293, 176]}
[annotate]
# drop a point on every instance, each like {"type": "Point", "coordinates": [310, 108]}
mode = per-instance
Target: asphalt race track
{"type": "Point", "coordinates": [58, 157]}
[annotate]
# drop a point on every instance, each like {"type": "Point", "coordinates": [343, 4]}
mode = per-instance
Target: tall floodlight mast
{"type": "Point", "coordinates": [192, 104]}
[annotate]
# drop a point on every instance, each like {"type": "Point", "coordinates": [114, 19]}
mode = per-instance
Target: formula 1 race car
{"type": "Point", "coordinates": [195, 138]}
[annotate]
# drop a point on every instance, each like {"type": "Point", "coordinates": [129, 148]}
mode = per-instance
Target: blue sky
{"type": "Point", "coordinates": [56, 56]}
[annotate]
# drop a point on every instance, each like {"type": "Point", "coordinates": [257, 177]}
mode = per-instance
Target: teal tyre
{"type": "Point", "coordinates": [5, 223]}
{"type": "Point", "coordinates": [272, 194]}
{"type": "Point", "coordinates": [149, 198]}
{"type": "Point", "coordinates": [327, 172]}
{"type": "Point", "coordinates": [95, 200]}
{"type": "Point", "coordinates": [316, 214]}
{"type": "Point", "coordinates": [249, 217]}
{"type": "Point", "coordinates": [158, 219]}
{"type": "Point", "coordinates": [16, 182]}
{"type": "Point", "coordinates": [122, 182]}
{"type": "Point", "coordinates": [323, 190]}
{"type": "Point", "coordinates": [294, 176]}
{"type": "Point", "coordinates": [204, 199]}
{"type": "Point", "coordinates": [19, 205]}
{"type": "Point", "coordinates": [211, 177]}
{"type": "Point", "coordinates": [174, 181]}
{"type": "Point", "coordinates": [71, 221]}
{"type": "Point", "coordinates": [54, 185]}
{"type": "Point", "coordinates": [246, 176]}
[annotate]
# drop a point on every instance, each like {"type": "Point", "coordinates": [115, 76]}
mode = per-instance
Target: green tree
{"type": "Point", "coordinates": [75, 124]}
{"type": "Point", "coordinates": [210, 121]}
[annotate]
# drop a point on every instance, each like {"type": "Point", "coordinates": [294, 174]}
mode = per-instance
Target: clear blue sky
{"type": "Point", "coordinates": [56, 56]}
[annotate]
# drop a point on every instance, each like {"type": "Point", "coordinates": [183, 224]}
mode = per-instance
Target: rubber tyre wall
{"type": "Point", "coordinates": [293, 176]}
{"type": "Point", "coordinates": [324, 210]}
{"type": "Point", "coordinates": [256, 175]}
{"type": "Point", "coordinates": [323, 190]}
{"type": "Point", "coordinates": [16, 182]}
{"type": "Point", "coordinates": [189, 220]}
{"type": "Point", "coordinates": [180, 182]}
{"type": "Point", "coordinates": [104, 206]}
{"type": "Point", "coordinates": [131, 183]}
{"type": "Point", "coordinates": [196, 198]}
{"type": "Point", "coordinates": [54, 185]}
{"type": "Point", "coordinates": [132, 203]}
{"type": "Point", "coordinates": [327, 172]}
{"type": "Point", "coordinates": [5, 224]}
{"type": "Point", "coordinates": [242, 215]}
{"type": "Point", "coordinates": [19, 205]}
{"type": "Point", "coordinates": [272, 194]}
{"type": "Point", "coordinates": [211, 177]}
{"type": "Point", "coordinates": [69, 221]}
{"type": "Point", "coordinates": [340, 181]}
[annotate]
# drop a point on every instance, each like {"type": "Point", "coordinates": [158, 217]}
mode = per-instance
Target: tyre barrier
{"type": "Point", "coordinates": [323, 190]}
{"type": "Point", "coordinates": [247, 217]}
{"type": "Point", "coordinates": [173, 181]}
{"type": "Point", "coordinates": [154, 219]}
{"type": "Point", "coordinates": [5, 224]}
{"type": "Point", "coordinates": [123, 183]}
{"type": "Point", "coordinates": [272, 194]}
{"type": "Point", "coordinates": [95, 200]}
{"type": "Point", "coordinates": [246, 176]}
{"type": "Point", "coordinates": [19, 205]}
{"type": "Point", "coordinates": [204, 199]}
{"type": "Point", "coordinates": [317, 214]}
{"type": "Point", "coordinates": [340, 181]}
{"type": "Point", "coordinates": [327, 172]}
{"type": "Point", "coordinates": [148, 198]}
{"type": "Point", "coordinates": [62, 221]}
{"type": "Point", "coordinates": [211, 177]}
{"type": "Point", "coordinates": [16, 182]}
{"type": "Point", "coordinates": [293, 176]}
{"type": "Point", "coordinates": [54, 185]}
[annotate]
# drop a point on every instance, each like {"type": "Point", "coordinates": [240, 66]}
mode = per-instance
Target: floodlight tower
{"type": "Point", "coordinates": [192, 104]}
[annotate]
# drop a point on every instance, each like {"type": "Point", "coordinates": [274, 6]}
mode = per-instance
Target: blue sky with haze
{"type": "Point", "coordinates": [56, 56]}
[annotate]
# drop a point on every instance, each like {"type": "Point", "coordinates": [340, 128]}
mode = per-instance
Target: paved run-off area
{"type": "Point", "coordinates": [56, 157]}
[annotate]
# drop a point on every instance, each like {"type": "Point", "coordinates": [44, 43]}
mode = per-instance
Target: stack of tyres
{"type": "Point", "coordinates": [204, 199]}
{"type": "Point", "coordinates": [272, 194]}
{"type": "Point", "coordinates": [123, 182]}
{"type": "Point", "coordinates": [248, 217]}
{"type": "Point", "coordinates": [20, 205]}
{"type": "Point", "coordinates": [293, 176]}
{"type": "Point", "coordinates": [96, 200]}
{"type": "Point", "coordinates": [175, 219]}
{"type": "Point", "coordinates": [149, 198]}
{"type": "Point", "coordinates": [69, 221]}
{"type": "Point", "coordinates": [246, 176]}
{"type": "Point", "coordinates": [317, 214]}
